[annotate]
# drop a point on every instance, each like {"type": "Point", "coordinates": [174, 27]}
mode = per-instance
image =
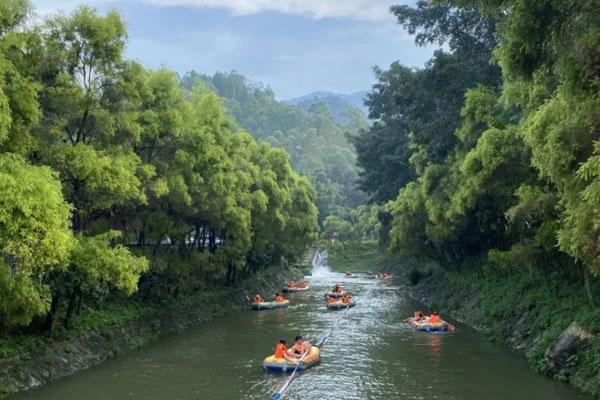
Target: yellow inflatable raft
{"type": "Point", "coordinates": [283, 365]}
{"type": "Point", "coordinates": [269, 305]}
{"type": "Point", "coordinates": [424, 326]}
{"type": "Point", "coordinates": [338, 305]}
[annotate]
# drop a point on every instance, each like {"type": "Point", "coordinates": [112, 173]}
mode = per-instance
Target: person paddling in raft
{"type": "Point", "coordinates": [418, 317]}
{"type": "Point", "coordinates": [258, 298]}
{"type": "Point", "coordinates": [279, 298]}
{"type": "Point", "coordinates": [302, 284]}
{"type": "Point", "coordinates": [330, 299]}
{"type": "Point", "coordinates": [346, 299]}
{"type": "Point", "coordinates": [292, 285]}
{"type": "Point", "coordinates": [435, 318]}
{"type": "Point", "coordinates": [281, 350]}
{"type": "Point", "coordinates": [300, 347]}
{"type": "Point", "coordinates": [337, 288]}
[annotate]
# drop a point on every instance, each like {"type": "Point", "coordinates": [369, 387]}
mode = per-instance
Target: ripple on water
{"type": "Point", "coordinates": [371, 355]}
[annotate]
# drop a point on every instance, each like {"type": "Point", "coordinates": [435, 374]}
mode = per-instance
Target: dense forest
{"type": "Point", "coordinates": [317, 143]}
{"type": "Point", "coordinates": [340, 104]}
{"type": "Point", "coordinates": [115, 178]}
{"type": "Point", "coordinates": [491, 150]}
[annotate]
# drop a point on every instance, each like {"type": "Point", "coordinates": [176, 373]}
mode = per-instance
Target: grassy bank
{"type": "Point", "coordinates": [119, 327]}
{"type": "Point", "coordinates": [521, 309]}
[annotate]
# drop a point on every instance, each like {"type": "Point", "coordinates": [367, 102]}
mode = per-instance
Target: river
{"type": "Point", "coordinates": [371, 355]}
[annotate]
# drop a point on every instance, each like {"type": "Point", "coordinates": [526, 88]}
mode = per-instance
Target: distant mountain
{"type": "Point", "coordinates": [338, 102]}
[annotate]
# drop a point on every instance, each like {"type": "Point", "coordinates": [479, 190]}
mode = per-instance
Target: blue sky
{"type": "Point", "coordinates": [294, 46]}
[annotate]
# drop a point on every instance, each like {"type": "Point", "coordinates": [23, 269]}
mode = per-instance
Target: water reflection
{"type": "Point", "coordinates": [435, 343]}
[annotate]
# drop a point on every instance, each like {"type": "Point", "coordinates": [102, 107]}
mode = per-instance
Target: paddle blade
{"type": "Point", "coordinates": [277, 396]}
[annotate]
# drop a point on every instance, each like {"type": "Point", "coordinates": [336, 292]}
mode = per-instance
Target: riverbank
{"type": "Point", "coordinates": [29, 361]}
{"type": "Point", "coordinates": [522, 310]}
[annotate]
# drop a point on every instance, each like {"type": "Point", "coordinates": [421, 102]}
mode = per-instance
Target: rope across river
{"type": "Point", "coordinates": [278, 395]}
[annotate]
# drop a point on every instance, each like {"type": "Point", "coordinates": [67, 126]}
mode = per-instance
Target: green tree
{"type": "Point", "coordinates": [35, 238]}
{"type": "Point", "coordinates": [422, 107]}
{"type": "Point", "coordinates": [89, 128]}
{"type": "Point", "coordinates": [19, 108]}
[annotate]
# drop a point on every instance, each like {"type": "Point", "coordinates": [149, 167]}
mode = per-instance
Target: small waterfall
{"type": "Point", "coordinates": [320, 267]}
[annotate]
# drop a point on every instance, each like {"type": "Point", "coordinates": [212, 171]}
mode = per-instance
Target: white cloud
{"type": "Point", "coordinates": [354, 9]}
{"type": "Point", "coordinates": [371, 10]}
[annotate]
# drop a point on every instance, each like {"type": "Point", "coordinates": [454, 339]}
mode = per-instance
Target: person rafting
{"type": "Point", "coordinates": [418, 316]}
{"type": "Point", "coordinates": [337, 288]}
{"type": "Point", "coordinates": [280, 349]}
{"type": "Point", "coordinates": [300, 347]}
{"type": "Point", "coordinates": [330, 299]}
{"type": "Point", "coordinates": [258, 298]}
{"type": "Point", "coordinates": [434, 318]}
{"type": "Point", "coordinates": [302, 284]}
{"type": "Point", "coordinates": [279, 298]}
{"type": "Point", "coordinates": [292, 285]}
{"type": "Point", "coordinates": [346, 299]}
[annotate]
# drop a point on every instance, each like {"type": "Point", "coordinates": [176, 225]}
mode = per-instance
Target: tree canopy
{"type": "Point", "coordinates": [492, 148]}
{"type": "Point", "coordinates": [115, 177]}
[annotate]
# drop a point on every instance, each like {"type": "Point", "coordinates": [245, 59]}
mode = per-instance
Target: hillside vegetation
{"type": "Point", "coordinates": [318, 145]}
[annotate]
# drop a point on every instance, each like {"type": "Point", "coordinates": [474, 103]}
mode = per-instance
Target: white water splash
{"type": "Point", "coordinates": [321, 270]}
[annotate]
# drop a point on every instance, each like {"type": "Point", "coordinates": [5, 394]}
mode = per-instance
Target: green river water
{"type": "Point", "coordinates": [371, 355]}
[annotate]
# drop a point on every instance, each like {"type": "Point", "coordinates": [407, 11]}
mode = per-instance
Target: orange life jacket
{"type": "Point", "coordinates": [280, 350]}
{"type": "Point", "coordinates": [434, 319]}
{"type": "Point", "coordinates": [346, 299]}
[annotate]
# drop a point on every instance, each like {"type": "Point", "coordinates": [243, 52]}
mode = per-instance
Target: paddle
{"type": "Point", "coordinates": [324, 338]}
{"type": "Point", "coordinates": [279, 394]}
{"type": "Point", "coordinates": [450, 327]}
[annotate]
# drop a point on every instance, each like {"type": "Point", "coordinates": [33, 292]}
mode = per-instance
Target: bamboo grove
{"type": "Point", "coordinates": [114, 178]}
{"type": "Point", "coordinates": [492, 150]}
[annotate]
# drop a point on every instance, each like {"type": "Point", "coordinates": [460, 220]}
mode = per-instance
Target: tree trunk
{"type": "Point", "coordinates": [586, 283]}
{"type": "Point", "coordinates": [196, 237]}
{"type": "Point", "coordinates": [141, 239]}
{"type": "Point", "coordinates": [229, 277]}
{"type": "Point", "coordinates": [50, 322]}
{"type": "Point", "coordinates": [203, 240]}
{"type": "Point", "coordinates": [79, 304]}
{"type": "Point", "coordinates": [70, 310]}
{"type": "Point", "coordinates": [212, 241]}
